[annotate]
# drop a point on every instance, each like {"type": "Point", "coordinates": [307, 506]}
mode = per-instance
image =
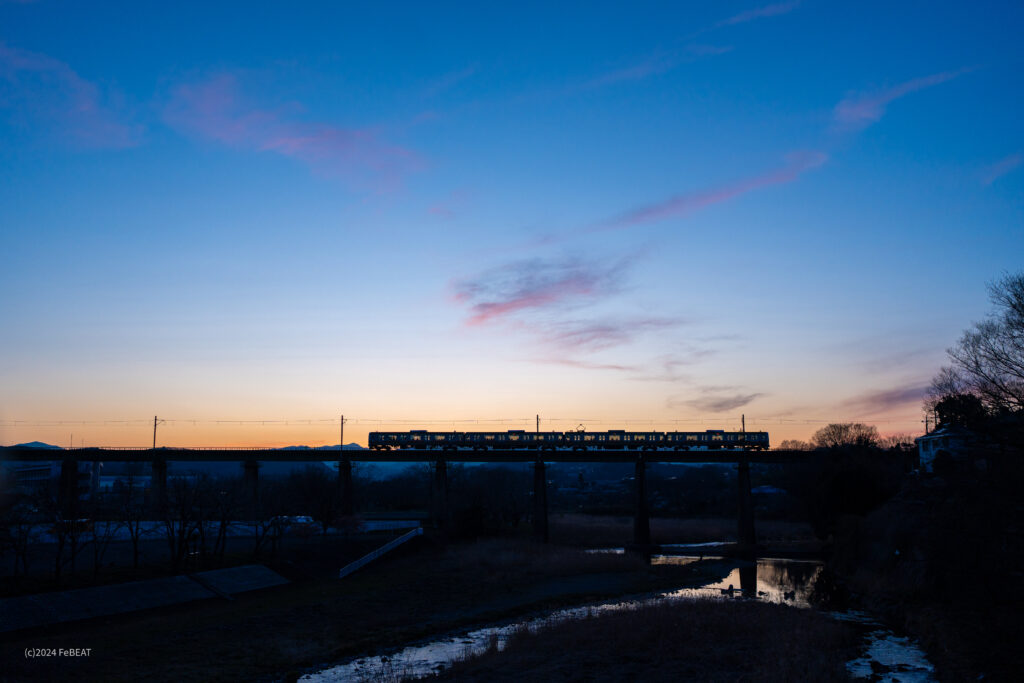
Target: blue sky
{"type": "Point", "coordinates": [665, 213]}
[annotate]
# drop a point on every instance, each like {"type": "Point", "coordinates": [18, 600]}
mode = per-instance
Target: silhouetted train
{"type": "Point", "coordinates": [615, 439]}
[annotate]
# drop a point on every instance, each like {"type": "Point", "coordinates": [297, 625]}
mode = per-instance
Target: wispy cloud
{"type": "Point", "coordinates": [651, 66]}
{"type": "Point", "coordinates": [588, 365]}
{"type": "Point", "coordinates": [700, 50]}
{"type": "Point", "coordinates": [447, 208]}
{"type": "Point", "coordinates": [876, 402]}
{"type": "Point", "coordinates": [859, 110]}
{"type": "Point", "coordinates": [214, 109]}
{"type": "Point", "coordinates": [685, 204]}
{"type": "Point", "coordinates": [597, 335]}
{"type": "Point", "coordinates": [535, 284]}
{"type": "Point", "coordinates": [42, 90]}
{"type": "Point", "coordinates": [449, 80]}
{"type": "Point", "coordinates": [714, 400]}
{"type": "Point", "coordinates": [1001, 168]}
{"type": "Point", "coordinates": [668, 368]}
{"type": "Point", "coordinates": [760, 13]}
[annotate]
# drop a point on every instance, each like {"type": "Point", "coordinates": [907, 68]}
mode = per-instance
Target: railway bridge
{"type": "Point", "coordinates": [250, 458]}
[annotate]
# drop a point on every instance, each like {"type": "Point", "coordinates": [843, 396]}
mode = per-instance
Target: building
{"type": "Point", "coordinates": [949, 442]}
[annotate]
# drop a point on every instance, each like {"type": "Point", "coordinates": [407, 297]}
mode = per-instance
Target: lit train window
{"type": "Point", "coordinates": [416, 437]}
{"type": "Point", "coordinates": [640, 437]}
{"type": "Point", "coordinates": [588, 437]}
{"type": "Point", "coordinates": [716, 437]}
{"type": "Point", "coordinates": [691, 437]}
{"type": "Point", "coordinates": [614, 437]}
{"type": "Point", "coordinates": [513, 437]}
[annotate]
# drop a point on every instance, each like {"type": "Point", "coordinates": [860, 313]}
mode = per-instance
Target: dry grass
{"type": "Point", "coordinates": [702, 640]}
{"type": "Point", "coordinates": [423, 590]}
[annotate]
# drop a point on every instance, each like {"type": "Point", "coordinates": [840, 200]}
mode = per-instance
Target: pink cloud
{"type": "Point", "coordinates": [1001, 168]}
{"type": "Point", "coordinates": [714, 400]}
{"type": "Point", "coordinates": [447, 208]}
{"type": "Point", "coordinates": [759, 13]}
{"type": "Point", "coordinates": [41, 89]}
{"type": "Point", "coordinates": [683, 205]}
{"type": "Point", "coordinates": [533, 285]}
{"type": "Point", "coordinates": [214, 109]}
{"type": "Point", "coordinates": [878, 402]}
{"type": "Point", "coordinates": [857, 111]}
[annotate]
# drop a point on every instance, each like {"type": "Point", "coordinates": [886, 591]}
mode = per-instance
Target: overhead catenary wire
{"type": "Point", "coordinates": [441, 421]}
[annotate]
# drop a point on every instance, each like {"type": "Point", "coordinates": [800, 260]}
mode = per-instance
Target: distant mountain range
{"type": "Point", "coordinates": [348, 447]}
{"type": "Point", "coordinates": [39, 444]}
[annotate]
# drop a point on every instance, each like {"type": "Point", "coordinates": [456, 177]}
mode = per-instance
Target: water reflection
{"type": "Point", "coordinates": [769, 579]}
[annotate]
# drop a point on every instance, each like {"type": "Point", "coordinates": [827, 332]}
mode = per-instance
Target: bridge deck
{"type": "Point", "coordinates": [18, 453]}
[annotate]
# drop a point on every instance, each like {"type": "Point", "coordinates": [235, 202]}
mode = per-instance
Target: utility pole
{"type": "Point", "coordinates": [538, 424]}
{"type": "Point", "coordinates": [341, 444]}
{"type": "Point", "coordinates": [154, 432]}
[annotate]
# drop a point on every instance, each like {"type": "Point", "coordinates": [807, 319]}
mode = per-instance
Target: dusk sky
{"type": "Point", "coordinates": [420, 215]}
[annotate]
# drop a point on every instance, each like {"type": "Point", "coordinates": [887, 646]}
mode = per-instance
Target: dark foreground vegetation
{"type": "Point", "coordinates": [428, 589]}
{"type": "Point", "coordinates": [942, 559]}
{"type": "Point", "coordinates": [697, 640]}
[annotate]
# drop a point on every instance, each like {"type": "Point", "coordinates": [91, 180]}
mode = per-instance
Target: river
{"type": "Point", "coordinates": [771, 580]}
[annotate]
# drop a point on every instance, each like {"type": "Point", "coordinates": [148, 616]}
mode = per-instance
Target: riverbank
{"type": "Point", "coordinates": [425, 590]}
{"type": "Point", "coordinates": [695, 640]}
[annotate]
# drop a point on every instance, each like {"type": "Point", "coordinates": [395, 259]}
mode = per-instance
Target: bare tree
{"type": "Point", "coordinates": [794, 445]}
{"type": "Point", "coordinates": [899, 440]}
{"type": "Point", "coordinates": [227, 505]}
{"type": "Point", "coordinates": [130, 501]}
{"type": "Point", "coordinates": [988, 361]}
{"type": "Point", "coordinates": [841, 434]}
{"type": "Point", "coordinates": [181, 516]}
{"type": "Point", "coordinates": [19, 519]}
{"type": "Point", "coordinates": [318, 495]}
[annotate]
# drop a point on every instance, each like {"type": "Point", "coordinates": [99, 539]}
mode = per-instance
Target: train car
{"type": "Point", "coordinates": [421, 439]}
{"type": "Point", "coordinates": [716, 439]}
{"type": "Point", "coordinates": [614, 439]}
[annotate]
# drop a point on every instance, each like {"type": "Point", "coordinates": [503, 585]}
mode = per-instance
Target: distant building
{"type": "Point", "coordinates": [31, 476]}
{"type": "Point", "coordinates": [952, 443]}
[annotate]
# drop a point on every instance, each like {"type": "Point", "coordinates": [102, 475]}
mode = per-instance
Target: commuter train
{"type": "Point", "coordinates": [615, 439]}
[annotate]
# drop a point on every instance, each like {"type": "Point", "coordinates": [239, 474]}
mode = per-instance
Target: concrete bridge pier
{"type": "Point", "coordinates": [345, 487]}
{"type": "Point", "coordinates": [251, 483]}
{"type": "Point", "coordinates": [158, 487]}
{"type": "Point", "coordinates": [641, 517]}
{"type": "Point", "coordinates": [439, 495]}
{"type": "Point", "coordinates": [748, 580]}
{"type": "Point", "coordinates": [67, 494]}
{"type": "Point", "coordinates": [745, 518]}
{"type": "Point", "coordinates": [540, 501]}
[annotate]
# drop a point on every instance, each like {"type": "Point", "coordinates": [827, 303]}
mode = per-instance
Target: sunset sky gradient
{"type": "Point", "coordinates": [250, 218]}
